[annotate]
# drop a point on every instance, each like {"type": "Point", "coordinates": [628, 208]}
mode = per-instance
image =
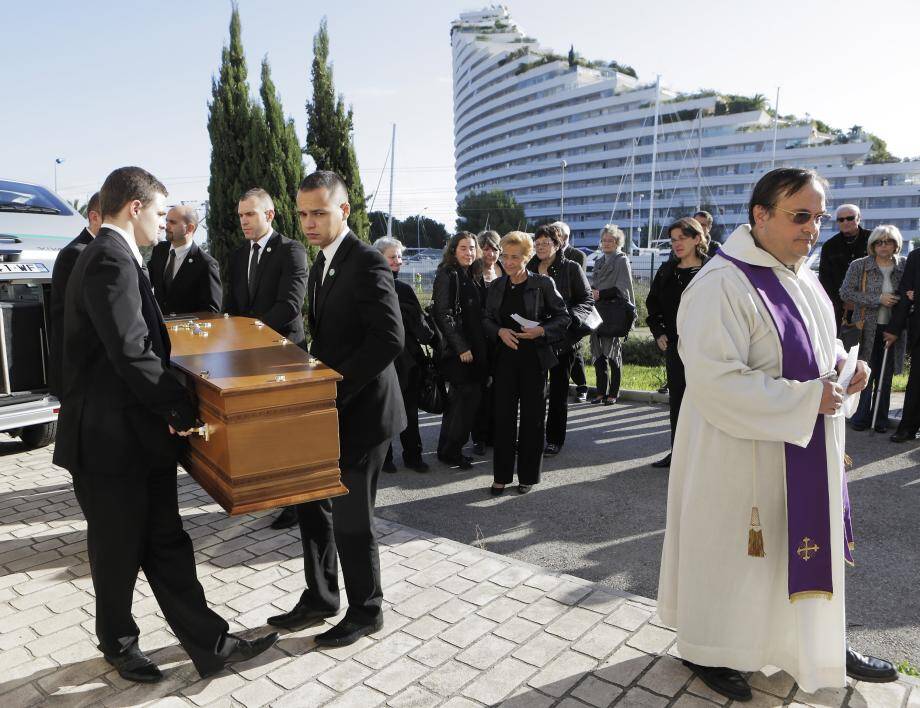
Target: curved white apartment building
{"type": "Point", "coordinates": [521, 112]}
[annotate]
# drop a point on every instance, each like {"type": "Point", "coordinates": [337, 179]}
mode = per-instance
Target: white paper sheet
{"type": "Point", "coordinates": [846, 376]}
{"type": "Point", "coordinates": [523, 321]}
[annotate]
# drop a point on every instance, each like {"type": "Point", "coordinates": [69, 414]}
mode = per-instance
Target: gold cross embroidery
{"type": "Point", "coordinates": [805, 551]}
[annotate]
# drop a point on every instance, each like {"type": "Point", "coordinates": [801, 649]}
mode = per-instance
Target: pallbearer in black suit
{"type": "Point", "coordinates": [268, 273]}
{"type": "Point", "coordinates": [268, 281]}
{"type": "Point", "coordinates": [185, 278]}
{"type": "Point", "coordinates": [357, 330]}
{"type": "Point", "coordinates": [63, 266]}
{"type": "Point", "coordinates": [117, 436]}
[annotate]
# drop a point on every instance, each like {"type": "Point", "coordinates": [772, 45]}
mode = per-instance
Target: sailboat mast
{"type": "Point", "coordinates": [392, 164]}
{"type": "Point", "coordinates": [775, 126]}
{"type": "Point", "coordinates": [699, 160]}
{"type": "Point", "coordinates": [651, 195]}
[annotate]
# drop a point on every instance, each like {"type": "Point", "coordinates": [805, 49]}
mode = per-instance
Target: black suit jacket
{"type": "Point", "coordinates": [358, 331]}
{"type": "Point", "coordinates": [906, 313]}
{"type": "Point", "coordinates": [119, 394]}
{"type": "Point", "coordinates": [281, 284]}
{"type": "Point", "coordinates": [60, 274]}
{"type": "Point", "coordinates": [196, 286]}
{"type": "Point", "coordinates": [575, 254]}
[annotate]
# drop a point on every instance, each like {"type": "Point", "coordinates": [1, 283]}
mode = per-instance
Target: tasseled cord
{"type": "Point", "coordinates": [755, 533]}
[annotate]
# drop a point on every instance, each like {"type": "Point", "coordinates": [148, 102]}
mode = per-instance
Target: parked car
{"type": "Point", "coordinates": [35, 223]}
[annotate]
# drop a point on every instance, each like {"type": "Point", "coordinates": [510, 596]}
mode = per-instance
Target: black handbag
{"type": "Point", "coordinates": [432, 392]}
{"type": "Point", "coordinates": [851, 332]}
{"type": "Point", "coordinates": [618, 316]}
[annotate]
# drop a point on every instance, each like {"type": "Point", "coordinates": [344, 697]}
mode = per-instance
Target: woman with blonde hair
{"type": "Point", "coordinates": [871, 283]}
{"type": "Point", "coordinates": [523, 314]}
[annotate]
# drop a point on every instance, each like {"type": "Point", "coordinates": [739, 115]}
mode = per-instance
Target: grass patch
{"type": "Point", "coordinates": [907, 669]}
{"type": "Point", "coordinates": [635, 377]}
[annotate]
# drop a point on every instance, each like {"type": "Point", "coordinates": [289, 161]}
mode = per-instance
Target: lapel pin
{"type": "Point", "coordinates": [268, 250]}
{"type": "Point", "coordinates": [331, 272]}
{"type": "Point", "coordinates": [191, 260]}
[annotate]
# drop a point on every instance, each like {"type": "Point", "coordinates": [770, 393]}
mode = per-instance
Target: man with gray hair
{"type": "Point", "coordinates": [841, 249]}
{"type": "Point", "coordinates": [577, 373]}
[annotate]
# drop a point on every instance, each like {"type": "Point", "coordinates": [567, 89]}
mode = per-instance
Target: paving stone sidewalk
{"type": "Point", "coordinates": [463, 627]}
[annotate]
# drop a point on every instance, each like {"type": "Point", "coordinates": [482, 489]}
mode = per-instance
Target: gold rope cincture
{"type": "Point", "coordinates": [755, 533]}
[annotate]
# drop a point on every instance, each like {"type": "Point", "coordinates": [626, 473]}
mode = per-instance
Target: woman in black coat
{"type": "Point", "coordinates": [688, 244]}
{"type": "Point", "coordinates": [410, 360]}
{"type": "Point", "coordinates": [523, 355]}
{"type": "Point", "coordinates": [572, 285]}
{"type": "Point", "coordinates": [457, 299]}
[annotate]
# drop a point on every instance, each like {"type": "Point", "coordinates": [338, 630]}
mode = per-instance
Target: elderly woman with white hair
{"type": "Point", "coordinates": [410, 360]}
{"type": "Point", "coordinates": [871, 283]}
{"type": "Point", "coordinates": [611, 278]}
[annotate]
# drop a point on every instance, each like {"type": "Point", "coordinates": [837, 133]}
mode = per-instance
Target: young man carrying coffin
{"type": "Point", "coordinates": [123, 416]}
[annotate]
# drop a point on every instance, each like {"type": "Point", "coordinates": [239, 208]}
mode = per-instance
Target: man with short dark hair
{"type": "Point", "coordinates": [705, 220]}
{"type": "Point", "coordinates": [358, 331]}
{"type": "Point", "coordinates": [841, 249]}
{"type": "Point", "coordinates": [60, 274]}
{"type": "Point", "coordinates": [123, 416]}
{"type": "Point", "coordinates": [185, 278]}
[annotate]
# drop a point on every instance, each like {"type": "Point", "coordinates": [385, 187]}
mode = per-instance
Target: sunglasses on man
{"type": "Point", "coordinates": [805, 217]}
{"type": "Point", "coordinates": [841, 219]}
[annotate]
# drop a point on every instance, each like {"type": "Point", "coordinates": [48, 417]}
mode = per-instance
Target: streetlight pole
{"type": "Point", "coordinates": [57, 161]}
{"type": "Point", "coordinates": [562, 194]}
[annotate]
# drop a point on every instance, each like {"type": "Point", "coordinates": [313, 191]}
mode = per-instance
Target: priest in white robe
{"type": "Point", "coordinates": [752, 570]}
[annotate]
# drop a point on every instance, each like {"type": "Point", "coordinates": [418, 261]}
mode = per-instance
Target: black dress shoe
{"type": "Point", "coordinates": [524, 488]}
{"type": "Point", "coordinates": [479, 448]}
{"type": "Point", "coordinates": [301, 616]}
{"type": "Point", "coordinates": [419, 466]}
{"type": "Point", "coordinates": [133, 665]}
{"type": "Point", "coordinates": [551, 449]}
{"type": "Point", "coordinates": [881, 428]}
{"type": "Point", "coordinates": [496, 491]}
{"type": "Point", "coordinates": [464, 462]}
{"type": "Point", "coordinates": [286, 519]}
{"type": "Point", "coordinates": [727, 682]}
{"type": "Point", "coordinates": [867, 668]}
{"type": "Point", "coordinates": [663, 463]}
{"type": "Point", "coordinates": [236, 649]}
{"type": "Point", "coordinates": [347, 632]}
{"type": "Point", "coordinates": [902, 436]}
{"type": "Point", "coordinates": [859, 427]}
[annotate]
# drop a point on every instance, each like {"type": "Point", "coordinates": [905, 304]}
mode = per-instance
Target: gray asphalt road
{"type": "Point", "coordinates": [599, 513]}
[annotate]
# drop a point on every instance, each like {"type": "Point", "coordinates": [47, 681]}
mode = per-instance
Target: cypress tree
{"type": "Point", "coordinates": [230, 122]}
{"type": "Point", "coordinates": [280, 157]}
{"type": "Point", "coordinates": [329, 132]}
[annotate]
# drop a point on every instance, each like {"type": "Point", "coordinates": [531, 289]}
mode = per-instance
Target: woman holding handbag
{"type": "Point", "coordinates": [523, 314]}
{"type": "Point", "coordinates": [457, 298]}
{"type": "Point", "coordinates": [689, 246]}
{"type": "Point", "coordinates": [611, 287]}
{"type": "Point", "coordinates": [871, 283]}
{"type": "Point", "coordinates": [572, 285]}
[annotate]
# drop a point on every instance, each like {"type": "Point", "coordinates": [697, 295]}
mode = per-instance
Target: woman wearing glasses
{"type": "Point", "coordinates": [523, 314]}
{"type": "Point", "coordinates": [688, 243]}
{"type": "Point", "coordinates": [871, 283]}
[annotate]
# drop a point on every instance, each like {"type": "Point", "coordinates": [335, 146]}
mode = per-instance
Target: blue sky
{"type": "Point", "coordinates": [104, 84]}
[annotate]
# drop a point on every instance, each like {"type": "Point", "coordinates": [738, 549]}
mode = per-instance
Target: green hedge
{"type": "Point", "coordinates": [642, 351]}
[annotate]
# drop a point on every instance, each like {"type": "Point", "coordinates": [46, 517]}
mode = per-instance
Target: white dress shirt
{"type": "Point", "coordinates": [132, 244]}
{"type": "Point", "coordinates": [329, 251]}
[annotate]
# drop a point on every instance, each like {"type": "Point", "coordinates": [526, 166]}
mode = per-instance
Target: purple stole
{"type": "Point", "coordinates": [807, 500]}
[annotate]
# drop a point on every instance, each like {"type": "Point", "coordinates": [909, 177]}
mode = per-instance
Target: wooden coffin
{"type": "Point", "coordinates": [270, 434]}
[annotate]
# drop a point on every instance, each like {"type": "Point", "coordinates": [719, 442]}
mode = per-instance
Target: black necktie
{"type": "Point", "coordinates": [253, 265]}
{"type": "Point", "coordinates": [318, 267]}
{"type": "Point", "coordinates": [170, 267]}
